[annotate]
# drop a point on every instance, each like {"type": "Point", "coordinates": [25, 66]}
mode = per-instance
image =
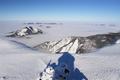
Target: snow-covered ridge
{"type": "Point", "coordinates": [78, 45]}
{"type": "Point", "coordinates": [25, 31]}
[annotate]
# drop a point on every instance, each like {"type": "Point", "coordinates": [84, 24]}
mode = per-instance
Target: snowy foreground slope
{"type": "Point", "coordinates": [19, 62]}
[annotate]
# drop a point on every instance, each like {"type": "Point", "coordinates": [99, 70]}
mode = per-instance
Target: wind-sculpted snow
{"type": "Point", "coordinates": [81, 44]}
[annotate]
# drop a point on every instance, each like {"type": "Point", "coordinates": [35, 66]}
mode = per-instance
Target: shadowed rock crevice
{"type": "Point", "coordinates": [79, 45]}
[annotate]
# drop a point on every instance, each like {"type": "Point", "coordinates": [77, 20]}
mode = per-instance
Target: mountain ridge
{"type": "Point", "coordinates": [76, 44]}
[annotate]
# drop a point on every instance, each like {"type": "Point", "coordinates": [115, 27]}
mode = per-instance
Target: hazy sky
{"type": "Point", "coordinates": [68, 10]}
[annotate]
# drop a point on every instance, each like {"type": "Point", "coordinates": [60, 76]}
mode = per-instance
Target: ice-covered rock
{"type": "Point", "coordinates": [25, 31]}
{"type": "Point", "coordinates": [80, 44]}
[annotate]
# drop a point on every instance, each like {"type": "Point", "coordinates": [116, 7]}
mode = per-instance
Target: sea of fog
{"type": "Point", "coordinates": [19, 62]}
{"type": "Point", "coordinates": [57, 31]}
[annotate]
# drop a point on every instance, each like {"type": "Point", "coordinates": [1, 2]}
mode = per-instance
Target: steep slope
{"type": "Point", "coordinates": [80, 44]}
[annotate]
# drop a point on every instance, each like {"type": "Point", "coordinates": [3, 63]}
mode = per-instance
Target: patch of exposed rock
{"type": "Point", "coordinates": [80, 44]}
{"type": "Point", "coordinates": [25, 31]}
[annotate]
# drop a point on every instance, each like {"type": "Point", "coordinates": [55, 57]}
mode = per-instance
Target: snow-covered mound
{"type": "Point", "coordinates": [80, 44]}
{"type": "Point", "coordinates": [25, 31]}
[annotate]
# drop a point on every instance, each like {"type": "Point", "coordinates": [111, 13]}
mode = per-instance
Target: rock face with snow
{"type": "Point", "coordinates": [80, 44]}
{"type": "Point", "coordinates": [60, 72]}
{"type": "Point", "coordinates": [25, 31]}
{"type": "Point", "coordinates": [48, 74]}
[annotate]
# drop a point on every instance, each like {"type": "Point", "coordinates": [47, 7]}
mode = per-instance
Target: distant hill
{"type": "Point", "coordinates": [24, 32]}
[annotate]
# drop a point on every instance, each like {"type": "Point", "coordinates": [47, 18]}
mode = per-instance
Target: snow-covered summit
{"type": "Point", "coordinates": [25, 31]}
